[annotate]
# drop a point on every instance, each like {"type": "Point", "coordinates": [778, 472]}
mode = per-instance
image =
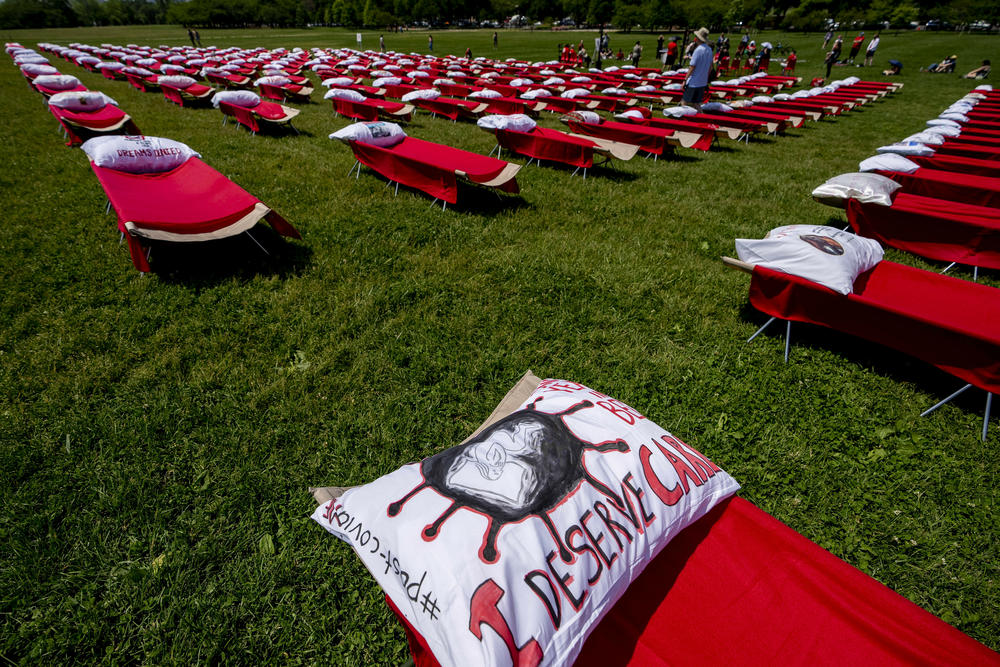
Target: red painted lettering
{"type": "Point", "coordinates": [483, 610]}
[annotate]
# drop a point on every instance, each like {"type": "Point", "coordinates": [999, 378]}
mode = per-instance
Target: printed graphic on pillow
{"type": "Point", "coordinates": [523, 465]}
{"type": "Point", "coordinates": [823, 243]}
{"type": "Point", "coordinates": [509, 548]}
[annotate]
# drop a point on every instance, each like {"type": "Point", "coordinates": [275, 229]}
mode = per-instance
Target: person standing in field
{"type": "Point", "coordinates": [855, 47]}
{"type": "Point", "coordinates": [870, 51]}
{"type": "Point", "coordinates": [696, 79]}
{"type": "Point", "coordinates": [827, 38]}
{"type": "Point", "coordinates": [430, 42]}
{"type": "Point", "coordinates": [636, 54]}
{"type": "Point", "coordinates": [381, 43]}
{"type": "Point", "coordinates": [671, 55]}
{"type": "Point", "coordinates": [495, 39]}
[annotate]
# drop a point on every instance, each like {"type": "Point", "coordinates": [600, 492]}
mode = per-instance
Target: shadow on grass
{"type": "Point", "coordinates": [611, 172]}
{"type": "Point", "coordinates": [874, 357]}
{"type": "Point", "coordinates": [239, 257]}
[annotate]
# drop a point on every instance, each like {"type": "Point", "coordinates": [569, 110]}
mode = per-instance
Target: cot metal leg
{"type": "Point", "coordinates": [940, 403]}
{"type": "Point", "coordinates": [986, 417]}
{"type": "Point", "coordinates": [948, 268]}
{"type": "Point", "coordinates": [584, 173]}
{"type": "Point", "coordinates": [788, 339]}
{"type": "Point", "coordinates": [263, 249]}
{"type": "Point", "coordinates": [761, 330]}
{"type": "Point", "coordinates": [294, 129]}
{"type": "Point", "coordinates": [975, 274]}
{"type": "Point", "coordinates": [396, 194]}
{"type": "Point", "coordinates": [107, 207]}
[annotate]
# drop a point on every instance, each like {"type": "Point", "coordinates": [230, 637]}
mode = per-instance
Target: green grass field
{"type": "Point", "coordinates": [158, 433]}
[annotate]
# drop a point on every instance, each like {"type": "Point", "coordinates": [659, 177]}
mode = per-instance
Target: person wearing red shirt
{"type": "Point", "coordinates": [855, 47]}
{"type": "Point", "coordinates": [671, 56]}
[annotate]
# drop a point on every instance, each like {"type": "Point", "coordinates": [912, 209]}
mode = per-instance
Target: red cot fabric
{"type": "Point", "coordinates": [110, 118]}
{"type": "Point", "coordinates": [738, 587]}
{"type": "Point", "coordinates": [356, 110]}
{"type": "Point", "coordinates": [559, 104]}
{"type": "Point", "coordinates": [431, 167]}
{"type": "Point", "coordinates": [933, 228]}
{"type": "Point", "coordinates": [967, 188]}
{"type": "Point", "coordinates": [649, 139]}
{"type": "Point", "coordinates": [706, 131]}
{"type": "Point", "coordinates": [968, 150]}
{"type": "Point", "coordinates": [270, 111]}
{"type": "Point", "coordinates": [451, 108]}
{"type": "Point", "coordinates": [545, 144]}
{"type": "Point", "coordinates": [975, 140]}
{"type": "Point", "coordinates": [191, 199]}
{"type": "Point", "coordinates": [947, 322]}
{"type": "Point", "coordinates": [49, 92]}
{"type": "Point", "coordinates": [958, 164]}
{"type": "Point", "coordinates": [507, 105]}
{"type": "Point", "coordinates": [95, 120]}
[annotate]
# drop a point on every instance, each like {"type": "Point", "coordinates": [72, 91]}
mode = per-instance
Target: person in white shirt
{"type": "Point", "coordinates": [696, 81]}
{"type": "Point", "coordinates": [870, 51]}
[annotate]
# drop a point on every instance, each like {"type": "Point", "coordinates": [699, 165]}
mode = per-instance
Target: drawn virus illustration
{"type": "Point", "coordinates": [524, 465]}
{"type": "Point", "coordinates": [824, 243]}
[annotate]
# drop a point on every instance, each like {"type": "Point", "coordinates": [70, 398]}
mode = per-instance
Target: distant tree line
{"type": "Point", "coordinates": [382, 14]}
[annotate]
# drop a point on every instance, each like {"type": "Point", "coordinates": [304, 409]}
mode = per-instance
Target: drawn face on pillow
{"type": "Point", "coordinates": [525, 464]}
{"type": "Point", "coordinates": [824, 243]}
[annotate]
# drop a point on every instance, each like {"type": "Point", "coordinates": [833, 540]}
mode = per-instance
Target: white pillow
{"type": "Point", "coordinates": [631, 113]}
{"type": "Point", "coordinates": [933, 122]}
{"type": "Point", "coordinates": [644, 89]}
{"type": "Point", "coordinates": [959, 117]}
{"type": "Point", "coordinates": [39, 69]}
{"type": "Point", "coordinates": [239, 98]}
{"type": "Point", "coordinates": [485, 540]}
{"type": "Point", "coordinates": [801, 93]}
{"type": "Point", "coordinates": [944, 130]}
{"type": "Point", "coordinates": [679, 111]}
{"type": "Point", "coordinates": [824, 255]}
{"type": "Point", "coordinates": [536, 93]}
{"type": "Point", "coordinates": [176, 81]}
{"type": "Point", "coordinates": [377, 134]}
{"type": "Point", "coordinates": [485, 94]}
{"type": "Point", "coordinates": [517, 83]}
{"type": "Point", "coordinates": [985, 86]}
{"type": "Point", "coordinates": [585, 117]}
{"type": "Point", "coordinates": [171, 69]}
{"type": "Point", "coordinates": [614, 91]}
{"type": "Point", "coordinates": [438, 82]}
{"type": "Point", "coordinates": [338, 82]}
{"type": "Point", "coordinates": [137, 71]}
{"type": "Point", "coordinates": [924, 137]}
{"type": "Point", "coordinates": [87, 100]}
{"type": "Point", "coordinates": [273, 81]}
{"type": "Point", "coordinates": [581, 79]}
{"type": "Point", "coordinates": [866, 188]}
{"type": "Point", "coordinates": [553, 81]}
{"type": "Point", "coordinates": [716, 106]}
{"type": "Point", "coordinates": [138, 154]}
{"type": "Point", "coordinates": [911, 148]}
{"type": "Point", "coordinates": [419, 75]}
{"type": "Point", "coordinates": [421, 94]}
{"type": "Point", "coordinates": [888, 162]}
{"type": "Point", "coordinates": [387, 81]}
{"type": "Point", "coordinates": [673, 86]}
{"type": "Point", "coordinates": [517, 122]}
{"type": "Point", "coordinates": [57, 81]}
{"type": "Point", "coordinates": [573, 93]}
{"type": "Point", "coordinates": [344, 94]}
{"type": "Point", "coordinates": [763, 99]}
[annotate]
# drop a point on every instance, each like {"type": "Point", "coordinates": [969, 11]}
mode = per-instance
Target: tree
{"type": "Point", "coordinates": [627, 15]}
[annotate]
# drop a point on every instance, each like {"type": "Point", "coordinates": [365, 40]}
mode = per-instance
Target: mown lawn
{"type": "Point", "coordinates": [158, 433]}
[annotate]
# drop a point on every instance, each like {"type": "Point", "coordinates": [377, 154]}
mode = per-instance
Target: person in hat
{"type": "Point", "coordinates": [696, 80]}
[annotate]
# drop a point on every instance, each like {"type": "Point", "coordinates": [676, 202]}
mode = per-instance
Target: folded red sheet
{"type": "Point", "coordinates": [940, 184]}
{"type": "Point", "coordinates": [947, 322]}
{"type": "Point", "coordinates": [738, 587]}
{"type": "Point", "coordinates": [434, 168]}
{"type": "Point", "coordinates": [934, 228]}
{"type": "Point", "coordinates": [191, 202]}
